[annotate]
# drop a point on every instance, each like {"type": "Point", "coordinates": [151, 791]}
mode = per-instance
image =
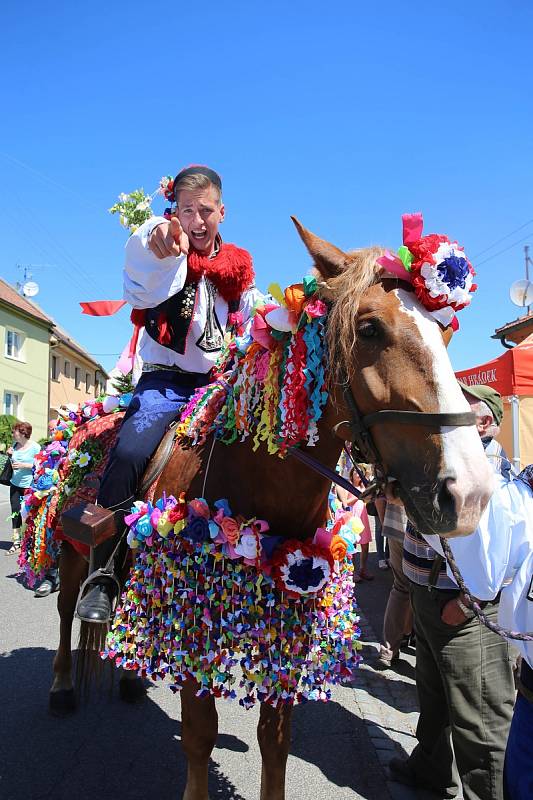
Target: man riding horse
{"type": "Point", "coordinates": [191, 286]}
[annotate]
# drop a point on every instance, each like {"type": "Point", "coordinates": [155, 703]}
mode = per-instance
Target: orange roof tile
{"type": "Point", "coordinates": [10, 296]}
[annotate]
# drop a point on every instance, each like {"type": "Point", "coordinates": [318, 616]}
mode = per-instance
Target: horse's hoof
{"type": "Point", "coordinates": [132, 690]}
{"type": "Point", "coordinates": [62, 702]}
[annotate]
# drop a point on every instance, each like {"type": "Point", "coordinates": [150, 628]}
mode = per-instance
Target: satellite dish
{"type": "Point", "coordinates": [521, 292]}
{"type": "Point", "coordinates": [30, 289]}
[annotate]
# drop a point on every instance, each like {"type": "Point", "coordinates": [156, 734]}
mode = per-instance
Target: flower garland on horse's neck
{"type": "Point", "coordinates": [270, 382]}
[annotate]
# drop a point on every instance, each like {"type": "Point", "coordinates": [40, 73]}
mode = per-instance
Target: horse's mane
{"type": "Point", "coordinates": [277, 394]}
{"type": "Point", "coordinates": [343, 292]}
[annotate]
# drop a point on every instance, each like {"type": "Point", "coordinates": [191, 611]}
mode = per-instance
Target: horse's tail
{"type": "Point", "coordinates": [90, 667]}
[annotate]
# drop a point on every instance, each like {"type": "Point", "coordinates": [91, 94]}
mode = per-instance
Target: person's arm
{"type": "Point", "coordinates": [249, 300]}
{"type": "Point", "coordinates": [344, 496]}
{"type": "Point", "coordinates": [485, 557]}
{"type": "Point", "coordinates": [150, 279]}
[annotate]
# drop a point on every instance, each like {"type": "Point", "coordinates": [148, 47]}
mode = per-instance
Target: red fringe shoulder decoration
{"type": "Point", "coordinates": [231, 271]}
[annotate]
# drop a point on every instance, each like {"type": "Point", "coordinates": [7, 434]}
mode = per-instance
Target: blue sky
{"type": "Point", "coordinates": [344, 114]}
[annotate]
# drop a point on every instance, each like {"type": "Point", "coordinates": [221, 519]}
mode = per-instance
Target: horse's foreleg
{"type": "Point", "coordinates": [274, 737]}
{"type": "Point", "coordinates": [72, 570]}
{"type": "Point", "coordinates": [199, 721]}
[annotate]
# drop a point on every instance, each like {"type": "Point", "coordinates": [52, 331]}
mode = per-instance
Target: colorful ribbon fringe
{"type": "Point", "coordinates": [270, 385]}
{"type": "Point", "coordinates": [189, 610]}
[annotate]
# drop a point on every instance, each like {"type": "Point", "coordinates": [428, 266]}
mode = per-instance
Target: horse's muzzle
{"type": "Point", "coordinates": [447, 508]}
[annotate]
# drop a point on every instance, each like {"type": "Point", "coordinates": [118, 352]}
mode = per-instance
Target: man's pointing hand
{"type": "Point", "coordinates": [169, 239]}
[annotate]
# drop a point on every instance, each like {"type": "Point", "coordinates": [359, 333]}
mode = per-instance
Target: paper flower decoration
{"type": "Point", "coordinates": [441, 274]}
{"type": "Point", "coordinates": [83, 459]}
{"type": "Point", "coordinates": [301, 569]}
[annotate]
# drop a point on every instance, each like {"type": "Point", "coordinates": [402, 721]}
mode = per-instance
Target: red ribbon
{"type": "Point", "coordinates": [413, 225]}
{"type": "Point", "coordinates": [102, 308]}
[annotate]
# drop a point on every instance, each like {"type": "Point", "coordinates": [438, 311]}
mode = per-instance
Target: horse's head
{"type": "Point", "coordinates": [392, 353]}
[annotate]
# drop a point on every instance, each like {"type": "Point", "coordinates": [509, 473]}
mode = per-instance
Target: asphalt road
{"type": "Point", "coordinates": [109, 749]}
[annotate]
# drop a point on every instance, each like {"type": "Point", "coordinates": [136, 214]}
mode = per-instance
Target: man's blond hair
{"type": "Point", "coordinates": [193, 182]}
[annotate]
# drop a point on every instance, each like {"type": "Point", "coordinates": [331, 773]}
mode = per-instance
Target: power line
{"type": "Point", "coordinates": [80, 198]}
{"type": "Point", "coordinates": [505, 249]}
{"type": "Point", "coordinates": [502, 239]}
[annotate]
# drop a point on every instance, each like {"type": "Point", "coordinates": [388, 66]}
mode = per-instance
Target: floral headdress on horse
{"type": "Point", "coordinates": [441, 274]}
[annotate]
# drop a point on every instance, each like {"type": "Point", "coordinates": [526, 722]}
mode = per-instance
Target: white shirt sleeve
{"type": "Point", "coordinates": [489, 557]}
{"type": "Point", "coordinates": [149, 280]}
{"type": "Point", "coordinates": [249, 300]}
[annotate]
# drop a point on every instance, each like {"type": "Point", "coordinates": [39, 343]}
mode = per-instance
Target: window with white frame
{"type": "Point", "coordinates": [14, 347]}
{"type": "Point", "coordinates": [66, 371]}
{"type": "Point", "coordinates": [77, 377]}
{"type": "Point", "coordinates": [87, 382]}
{"type": "Point", "coordinates": [12, 403]}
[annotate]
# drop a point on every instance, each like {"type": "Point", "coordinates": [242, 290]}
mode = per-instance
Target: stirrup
{"type": "Point", "coordinates": [101, 572]}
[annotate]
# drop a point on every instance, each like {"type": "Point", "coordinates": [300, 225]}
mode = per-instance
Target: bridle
{"type": "Point", "coordinates": [363, 449]}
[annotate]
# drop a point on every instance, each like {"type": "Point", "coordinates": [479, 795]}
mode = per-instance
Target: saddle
{"type": "Point", "coordinates": [92, 524]}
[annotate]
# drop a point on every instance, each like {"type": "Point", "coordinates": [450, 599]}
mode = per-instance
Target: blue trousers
{"type": "Point", "coordinates": [157, 401]}
{"type": "Point", "coordinates": [518, 769]}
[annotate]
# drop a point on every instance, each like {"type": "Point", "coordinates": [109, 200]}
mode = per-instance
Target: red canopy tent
{"type": "Point", "coordinates": [511, 374]}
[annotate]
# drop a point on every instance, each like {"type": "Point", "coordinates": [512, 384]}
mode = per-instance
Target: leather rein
{"type": "Point", "coordinates": [363, 449]}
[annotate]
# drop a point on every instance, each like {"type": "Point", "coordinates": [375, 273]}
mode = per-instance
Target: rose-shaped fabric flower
{"type": "Point", "coordinates": [154, 517]}
{"type": "Point", "coordinates": [44, 482]}
{"type": "Point", "coordinates": [164, 526]}
{"type": "Point", "coordinates": [260, 330]}
{"type": "Point", "coordinates": [197, 530]}
{"type": "Point", "coordinates": [230, 530]}
{"type": "Point", "coordinates": [235, 319]}
{"type": "Point", "coordinates": [295, 298]}
{"type": "Point", "coordinates": [316, 308]}
{"type": "Point", "coordinates": [199, 508]}
{"type": "Point", "coordinates": [224, 505]}
{"type": "Point", "coordinates": [338, 548]}
{"type": "Point", "coordinates": [179, 525]}
{"type": "Point", "coordinates": [248, 546]}
{"type": "Point", "coordinates": [143, 527]}
{"type": "Point", "coordinates": [178, 513]}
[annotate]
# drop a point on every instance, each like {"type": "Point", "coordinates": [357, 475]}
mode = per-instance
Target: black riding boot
{"type": "Point", "coordinates": [102, 586]}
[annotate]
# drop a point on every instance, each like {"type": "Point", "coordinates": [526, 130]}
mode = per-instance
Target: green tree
{"type": "Point", "coordinates": [6, 425]}
{"type": "Point", "coordinates": [123, 384]}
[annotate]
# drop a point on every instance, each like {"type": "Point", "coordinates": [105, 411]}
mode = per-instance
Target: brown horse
{"type": "Point", "coordinates": [392, 354]}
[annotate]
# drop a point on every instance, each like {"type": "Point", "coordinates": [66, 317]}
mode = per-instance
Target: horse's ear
{"type": "Point", "coordinates": [329, 260]}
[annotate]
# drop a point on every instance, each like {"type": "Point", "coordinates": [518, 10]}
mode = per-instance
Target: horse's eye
{"type": "Point", "coordinates": [368, 330]}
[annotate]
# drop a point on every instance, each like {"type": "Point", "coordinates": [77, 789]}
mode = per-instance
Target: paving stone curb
{"type": "Point", "coordinates": [386, 700]}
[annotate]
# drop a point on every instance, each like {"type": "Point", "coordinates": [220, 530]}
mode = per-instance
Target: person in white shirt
{"type": "Point", "coordinates": [498, 559]}
{"type": "Point", "coordinates": [188, 288]}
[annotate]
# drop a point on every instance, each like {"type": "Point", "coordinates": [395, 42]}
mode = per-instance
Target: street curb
{"type": "Point", "coordinates": [386, 701]}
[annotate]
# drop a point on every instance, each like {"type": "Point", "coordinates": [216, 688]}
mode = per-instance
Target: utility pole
{"type": "Point", "coordinates": [528, 262]}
